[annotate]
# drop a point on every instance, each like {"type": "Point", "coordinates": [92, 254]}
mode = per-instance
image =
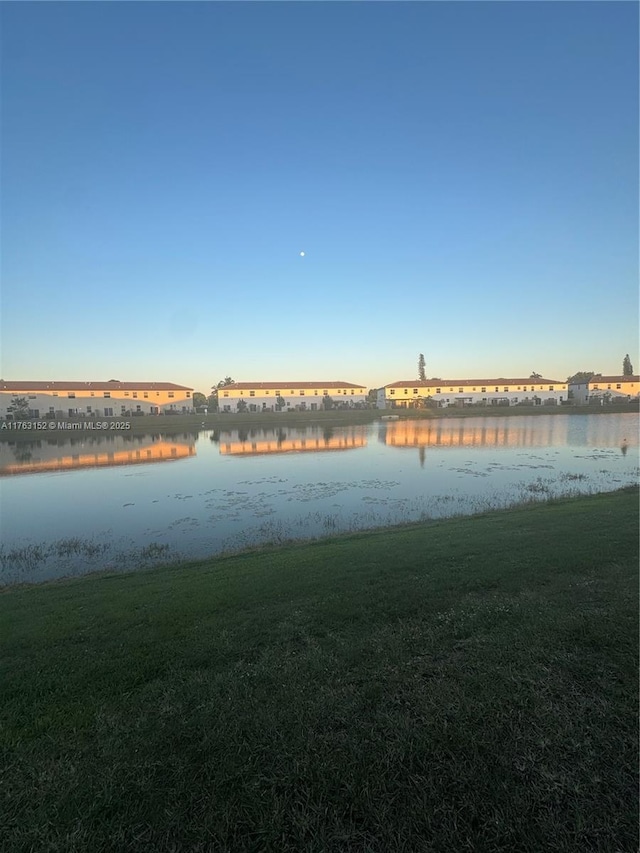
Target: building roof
{"type": "Point", "coordinates": [609, 379]}
{"type": "Point", "coordinates": [465, 383]}
{"type": "Point", "coordinates": [112, 385]}
{"type": "Point", "coordinates": [275, 386]}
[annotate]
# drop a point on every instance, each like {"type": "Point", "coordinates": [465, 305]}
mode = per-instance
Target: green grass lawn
{"type": "Point", "coordinates": [462, 685]}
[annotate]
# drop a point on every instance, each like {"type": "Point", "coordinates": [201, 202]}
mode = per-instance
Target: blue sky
{"type": "Point", "coordinates": [462, 177]}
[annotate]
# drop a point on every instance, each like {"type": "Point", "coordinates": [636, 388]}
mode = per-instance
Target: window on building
{"type": "Point", "coordinates": [415, 390]}
{"type": "Point", "coordinates": [392, 390]}
{"type": "Point", "coordinates": [550, 387]}
{"type": "Point", "coordinates": [71, 395]}
{"type": "Point", "coordinates": [483, 390]}
{"type": "Point", "coordinates": [107, 394]}
{"type": "Point", "coordinates": [595, 388]}
{"type": "Point", "coordinates": [171, 395]}
{"type": "Point", "coordinates": [88, 410]}
{"type": "Point", "coordinates": [126, 393]}
{"type": "Point", "coordinates": [505, 389]}
{"type": "Point", "coordinates": [497, 389]}
{"type": "Point", "coordinates": [406, 390]}
{"type": "Point", "coordinates": [225, 394]}
{"type": "Point", "coordinates": [438, 390]}
{"type": "Point", "coordinates": [460, 390]}
{"type": "Point", "coordinates": [352, 391]}
{"type": "Point", "coordinates": [325, 393]}
{"type": "Point", "coordinates": [55, 393]}
{"type": "Point", "coordinates": [188, 394]}
{"type": "Point", "coordinates": [609, 387]}
{"type": "Point", "coordinates": [32, 396]}
{"type": "Point", "coordinates": [135, 395]}
{"type": "Point", "coordinates": [123, 409]}
{"type": "Point", "coordinates": [145, 394]}
{"type": "Point", "coordinates": [301, 392]}
{"type": "Point", "coordinates": [315, 393]}
{"type": "Point", "coordinates": [52, 410]}
{"type": "Point", "coordinates": [93, 393]}
{"type": "Point", "coordinates": [252, 393]}
{"type": "Point", "coordinates": [618, 386]}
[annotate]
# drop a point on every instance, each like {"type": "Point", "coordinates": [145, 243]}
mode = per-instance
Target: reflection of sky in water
{"type": "Point", "coordinates": [266, 485]}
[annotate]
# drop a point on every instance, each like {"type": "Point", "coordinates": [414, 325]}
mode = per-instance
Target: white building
{"type": "Point", "coordinates": [601, 390]}
{"type": "Point", "coordinates": [289, 396]}
{"type": "Point", "coordinates": [413, 393]}
{"type": "Point", "coordinates": [99, 399]}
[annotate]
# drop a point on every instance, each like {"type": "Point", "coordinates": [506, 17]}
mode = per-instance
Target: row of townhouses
{"type": "Point", "coordinates": [283, 396]}
{"type": "Point", "coordinates": [527, 391]}
{"type": "Point", "coordinates": [116, 399]}
{"type": "Point", "coordinates": [97, 399]}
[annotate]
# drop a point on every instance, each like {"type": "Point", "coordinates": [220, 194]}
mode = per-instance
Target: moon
{"type": "Point", "coordinates": [302, 254]}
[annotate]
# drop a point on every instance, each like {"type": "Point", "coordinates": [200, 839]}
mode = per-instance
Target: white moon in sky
{"type": "Point", "coordinates": [302, 254]}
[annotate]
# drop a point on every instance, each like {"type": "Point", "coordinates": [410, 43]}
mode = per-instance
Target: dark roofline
{"type": "Point", "coordinates": [242, 386]}
{"type": "Point", "coordinates": [111, 385]}
{"type": "Point", "coordinates": [501, 380]}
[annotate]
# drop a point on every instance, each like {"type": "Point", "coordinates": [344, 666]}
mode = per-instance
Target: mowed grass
{"type": "Point", "coordinates": [465, 685]}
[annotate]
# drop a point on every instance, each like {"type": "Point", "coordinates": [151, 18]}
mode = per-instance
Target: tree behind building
{"type": "Point", "coordinates": [19, 408]}
{"type": "Point", "coordinates": [422, 374]}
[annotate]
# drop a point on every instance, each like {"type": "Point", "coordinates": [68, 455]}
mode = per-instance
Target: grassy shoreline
{"type": "Point", "coordinates": [179, 423]}
{"type": "Point", "coordinates": [470, 684]}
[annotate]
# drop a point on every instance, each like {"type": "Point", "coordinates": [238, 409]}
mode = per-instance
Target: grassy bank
{"type": "Point", "coordinates": [466, 685]}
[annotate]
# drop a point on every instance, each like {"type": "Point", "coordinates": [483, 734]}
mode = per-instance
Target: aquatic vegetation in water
{"type": "Point", "coordinates": [154, 551]}
{"type": "Point", "coordinates": [274, 510]}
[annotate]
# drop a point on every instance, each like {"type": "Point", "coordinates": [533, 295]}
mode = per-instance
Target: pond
{"type": "Point", "coordinates": [86, 503]}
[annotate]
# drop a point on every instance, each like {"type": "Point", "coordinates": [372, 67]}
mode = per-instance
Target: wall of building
{"type": "Point", "coordinates": [87, 403]}
{"type": "Point", "coordinates": [613, 388]}
{"type": "Point", "coordinates": [604, 389]}
{"type": "Point", "coordinates": [506, 393]}
{"type": "Point", "coordinates": [579, 393]}
{"type": "Point", "coordinates": [306, 399]}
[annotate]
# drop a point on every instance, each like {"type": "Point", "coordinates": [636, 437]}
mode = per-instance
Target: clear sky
{"type": "Point", "coordinates": [462, 178]}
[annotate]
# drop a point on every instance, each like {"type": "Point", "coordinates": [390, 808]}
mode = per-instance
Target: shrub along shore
{"type": "Point", "coordinates": [462, 685]}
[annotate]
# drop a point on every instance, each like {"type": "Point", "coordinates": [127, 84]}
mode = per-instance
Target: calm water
{"type": "Point", "coordinates": [94, 502]}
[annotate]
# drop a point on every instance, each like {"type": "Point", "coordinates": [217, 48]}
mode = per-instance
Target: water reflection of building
{"type": "Point", "coordinates": [603, 430]}
{"type": "Point", "coordinates": [282, 442]}
{"type": "Point", "coordinates": [30, 459]}
{"type": "Point", "coordinates": [476, 432]}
